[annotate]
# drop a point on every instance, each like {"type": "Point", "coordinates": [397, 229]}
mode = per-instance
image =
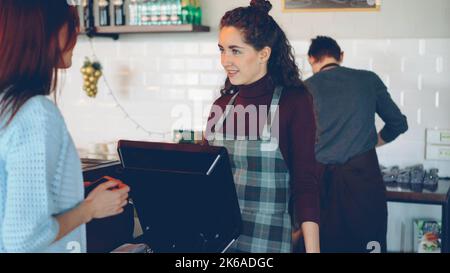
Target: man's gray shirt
{"type": "Point", "coordinates": [346, 101]}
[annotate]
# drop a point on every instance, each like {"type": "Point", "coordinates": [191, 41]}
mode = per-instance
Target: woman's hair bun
{"type": "Point", "coordinates": [262, 5]}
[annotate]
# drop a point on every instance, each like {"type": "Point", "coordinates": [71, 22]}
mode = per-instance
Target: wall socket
{"type": "Point", "coordinates": [438, 145]}
{"type": "Point", "coordinates": [436, 152]}
{"type": "Point", "coordinates": [439, 137]}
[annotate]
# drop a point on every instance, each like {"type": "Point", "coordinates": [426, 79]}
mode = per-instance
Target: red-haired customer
{"type": "Point", "coordinates": [42, 205]}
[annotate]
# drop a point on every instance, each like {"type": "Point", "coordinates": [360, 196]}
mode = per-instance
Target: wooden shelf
{"type": "Point", "coordinates": [151, 29]}
{"type": "Point", "coordinates": [115, 31]}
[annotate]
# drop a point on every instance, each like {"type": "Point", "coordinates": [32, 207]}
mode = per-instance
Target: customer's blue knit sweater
{"type": "Point", "coordinates": [40, 177]}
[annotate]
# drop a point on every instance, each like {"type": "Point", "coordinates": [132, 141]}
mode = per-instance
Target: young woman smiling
{"type": "Point", "coordinates": [265, 119]}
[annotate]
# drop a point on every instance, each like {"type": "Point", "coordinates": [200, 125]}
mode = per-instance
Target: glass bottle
{"type": "Point", "coordinates": [175, 12]}
{"type": "Point", "coordinates": [132, 12]}
{"type": "Point", "coordinates": [85, 13]}
{"type": "Point", "coordinates": [119, 13]}
{"type": "Point", "coordinates": [197, 13]}
{"type": "Point", "coordinates": [191, 9]}
{"type": "Point", "coordinates": [103, 6]}
{"type": "Point", "coordinates": [184, 11]}
{"type": "Point", "coordinates": [145, 12]}
{"type": "Point", "coordinates": [155, 12]}
{"type": "Point", "coordinates": [164, 11]}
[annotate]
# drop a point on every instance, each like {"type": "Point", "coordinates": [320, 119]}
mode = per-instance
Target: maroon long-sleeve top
{"type": "Point", "coordinates": [297, 131]}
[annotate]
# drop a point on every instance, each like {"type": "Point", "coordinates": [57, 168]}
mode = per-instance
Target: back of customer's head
{"type": "Point", "coordinates": [35, 36]}
{"type": "Point", "coordinates": [323, 46]}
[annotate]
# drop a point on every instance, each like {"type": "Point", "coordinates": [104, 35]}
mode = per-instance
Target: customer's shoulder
{"type": "Point", "coordinates": [40, 104]}
{"type": "Point", "coordinates": [38, 117]}
{"type": "Point", "coordinates": [37, 110]}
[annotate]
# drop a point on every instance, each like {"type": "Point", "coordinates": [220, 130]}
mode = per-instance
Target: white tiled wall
{"type": "Point", "coordinates": [166, 82]}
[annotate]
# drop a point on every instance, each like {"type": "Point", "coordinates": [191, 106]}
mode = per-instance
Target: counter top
{"type": "Point", "coordinates": [439, 196]}
{"type": "Point", "coordinates": [394, 193]}
{"type": "Point", "coordinates": [89, 164]}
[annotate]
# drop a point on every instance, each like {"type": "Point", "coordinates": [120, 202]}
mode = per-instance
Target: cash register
{"type": "Point", "coordinates": [184, 196]}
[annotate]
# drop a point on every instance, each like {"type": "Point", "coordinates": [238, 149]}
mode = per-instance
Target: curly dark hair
{"type": "Point", "coordinates": [261, 30]}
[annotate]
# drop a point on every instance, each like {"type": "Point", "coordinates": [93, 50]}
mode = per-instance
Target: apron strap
{"type": "Point", "coordinates": [228, 108]}
{"type": "Point", "coordinates": [267, 130]}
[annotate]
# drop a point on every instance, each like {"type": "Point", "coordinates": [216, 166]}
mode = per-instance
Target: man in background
{"type": "Point", "coordinates": [353, 195]}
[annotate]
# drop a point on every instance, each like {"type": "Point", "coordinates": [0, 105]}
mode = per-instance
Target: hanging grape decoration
{"type": "Point", "coordinates": [91, 71]}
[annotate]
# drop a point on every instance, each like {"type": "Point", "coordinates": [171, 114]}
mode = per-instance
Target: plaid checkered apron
{"type": "Point", "coordinates": [262, 184]}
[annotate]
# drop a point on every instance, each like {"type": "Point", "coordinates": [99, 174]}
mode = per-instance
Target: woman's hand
{"type": "Point", "coordinates": [296, 235]}
{"type": "Point", "coordinates": [108, 199]}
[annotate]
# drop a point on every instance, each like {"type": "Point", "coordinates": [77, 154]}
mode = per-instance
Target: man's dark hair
{"type": "Point", "coordinates": [323, 46]}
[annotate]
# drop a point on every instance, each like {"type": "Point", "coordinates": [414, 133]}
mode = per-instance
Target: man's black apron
{"type": "Point", "coordinates": [353, 206]}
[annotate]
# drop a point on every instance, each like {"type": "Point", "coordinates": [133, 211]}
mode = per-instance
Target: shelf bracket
{"type": "Point", "coordinates": [91, 33]}
{"type": "Point", "coordinates": [90, 27]}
